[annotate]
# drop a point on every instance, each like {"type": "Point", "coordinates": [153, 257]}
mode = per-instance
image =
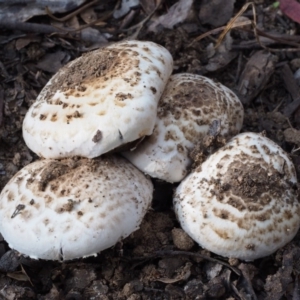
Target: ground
{"type": "Point", "coordinates": [158, 261]}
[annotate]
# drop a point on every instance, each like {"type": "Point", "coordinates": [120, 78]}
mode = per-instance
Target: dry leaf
{"type": "Point", "coordinates": [23, 42]}
{"type": "Point", "coordinates": [28, 9]}
{"type": "Point", "coordinates": [52, 62]}
{"type": "Point", "coordinates": [255, 76]}
{"type": "Point", "coordinates": [220, 57]}
{"type": "Point", "coordinates": [18, 276]}
{"type": "Point", "coordinates": [177, 13]}
{"type": "Point", "coordinates": [94, 36]}
{"type": "Point", "coordinates": [291, 8]}
{"type": "Point", "coordinates": [88, 15]}
{"type": "Point", "coordinates": [125, 8]}
{"type": "Point", "coordinates": [216, 12]}
{"type": "Point", "coordinates": [71, 23]}
{"type": "Point", "coordinates": [148, 5]}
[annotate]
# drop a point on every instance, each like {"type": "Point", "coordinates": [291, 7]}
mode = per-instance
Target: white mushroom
{"type": "Point", "coordinates": [99, 101]}
{"type": "Point", "coordinates": [73, 208]}
{"type": "Point", "coordinates": [242, 202]}
{"type": "Point", "coordinates": [187, 109]}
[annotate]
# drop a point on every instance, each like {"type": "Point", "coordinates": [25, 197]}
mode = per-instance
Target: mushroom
{"type": "Point", "coordinates": [188, 108]}
{"type": "Point", "coordinates": [242, 202]}
{"type": "Point", "coordinates": [71, 208]}
{"type": "Point", "coordinates": [100, 101]}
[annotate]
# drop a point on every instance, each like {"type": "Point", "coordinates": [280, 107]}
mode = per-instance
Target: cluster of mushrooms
{"type": "Point", "coordinates": [82, 197]}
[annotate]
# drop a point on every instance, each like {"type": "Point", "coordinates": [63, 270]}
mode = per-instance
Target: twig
{"type": "Point", "coordinates": [257, 32]}
{"type": "Point", "coordinates": [233, 20]}
{"type": "Point", "coordinates": [239, 67]}
{"type": "Point", "coordinates": [217, 30]}
{"type": "Point", "coordinates": [1, 104]}
{"type": "Point", "coordinates": [29, 27]}
{"type": "Point", "coordinates": [290, 82]}
{"type": "Point", "coordinates": [280, 38]}
{"type": "Point", "coordinates": [103, 18]}
{"type": "Point", "coordinates": [72, 14]}
{"type": "Point", "coordinates": [79, 28]}
{"type": "Point", "coordinates": [292, 107]}
{"type": "Point", "coordinates": [46, 29]}
{"type": "Point", "coordinates": [141, 25]}
{"type": "Point", "coordinates": [292, 88]}
{"type": "Point", "coordinates": [295, 150]}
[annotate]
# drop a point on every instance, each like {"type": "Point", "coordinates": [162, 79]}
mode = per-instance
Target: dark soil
{"type": "Point", "coordinates": [159, 261]}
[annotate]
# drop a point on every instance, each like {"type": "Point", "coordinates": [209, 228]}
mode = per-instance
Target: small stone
{"type": "Point", "coordinates": [131, 287]}
{"type": "Point", "coordinates": [128, 289]}
{"type": "Point", "coordinates": [292, 135]}
{"type": "Point", "coordinates": [181, 240]}
{"type": "Point", "coordinates": [233, 261]}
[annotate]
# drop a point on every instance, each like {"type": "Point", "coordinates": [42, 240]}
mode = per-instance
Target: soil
{"type": "Point", "coordinates": [158, 261]}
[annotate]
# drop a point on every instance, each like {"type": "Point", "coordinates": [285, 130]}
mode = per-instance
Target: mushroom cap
{"type": "Point", "coordinates": [187, 109]}
{"type": "Point", "coordinates": [100, 101]}
{"type": "Point", "coordinates": [242, 201]}
{"type": "Point", "coordinates": [61, 210]}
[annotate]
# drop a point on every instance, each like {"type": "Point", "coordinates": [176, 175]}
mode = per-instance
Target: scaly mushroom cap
{"type": "Point", "coordinates": [73, 208]}
{"type": "Point", "coordinates": [188, 106]}
{"type": "Point", "coordinates": [242, 202]}
{"type": "Point", "coordinates": [99, 101]}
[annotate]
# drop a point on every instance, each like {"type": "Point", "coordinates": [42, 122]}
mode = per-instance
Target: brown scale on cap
{"type": "Point", "coordinates": [200, 94]}
{"type": "Point", "coordinates": [190, 104]}
{"type": "Point", "coordinates": [243, 199]}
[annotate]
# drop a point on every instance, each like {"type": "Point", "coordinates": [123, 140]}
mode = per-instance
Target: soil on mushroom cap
{"type": "Point", "coordinates": [94, 68]}
{"type": "Point", "coordinates": [252, 183]}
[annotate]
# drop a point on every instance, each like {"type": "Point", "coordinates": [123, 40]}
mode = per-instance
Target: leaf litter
{"type": "Point", "coordinates": [258, 57]}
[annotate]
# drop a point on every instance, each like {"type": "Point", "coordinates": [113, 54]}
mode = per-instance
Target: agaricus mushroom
{"type": "Point", "coordinates": [242, 202]}
{"type": "Point", "coordinates": [61, 210]}
{"type": "Point", "coordinates": [100, 101]}
{"type": "Point", "coordinates": [187, 109]}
